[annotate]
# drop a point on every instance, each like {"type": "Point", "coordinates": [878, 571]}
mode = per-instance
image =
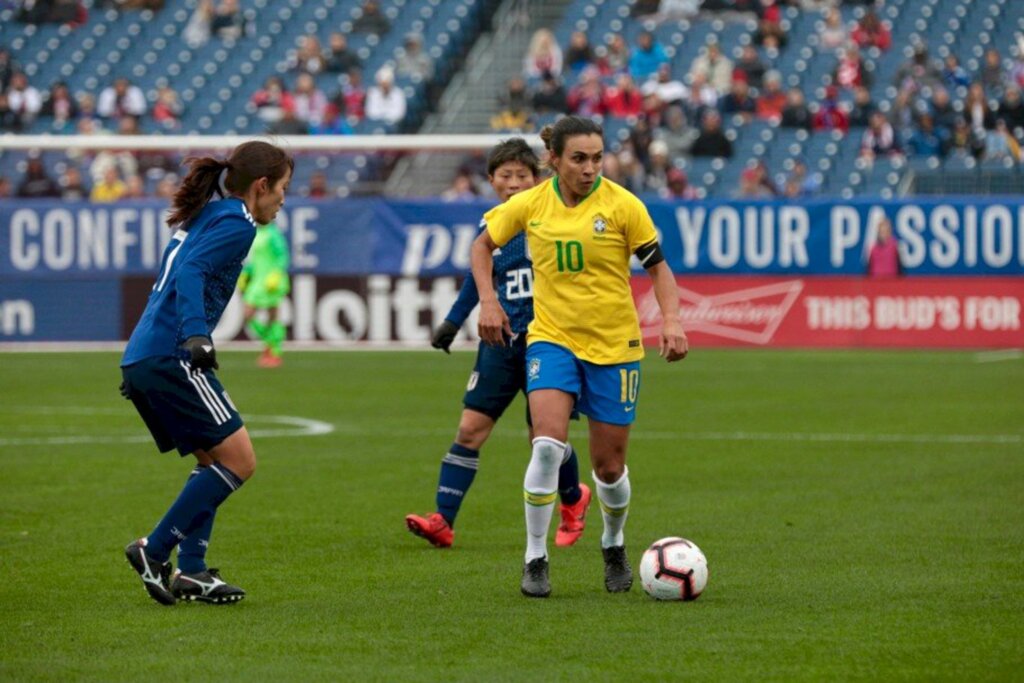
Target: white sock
{"type": "Point", "coordinates": [614, 500]}
{"type": "Point", "coordinates": [540, 488]}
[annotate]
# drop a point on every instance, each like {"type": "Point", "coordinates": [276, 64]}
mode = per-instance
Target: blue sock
{"type": "Point", "coordinates": [457, 471]}
{"type": "Point", "coordinates": [195, 505]}
{"type": "Point", "coordinates": [569, 479]}
{"type": "Point", "coordinates": [192, 551]}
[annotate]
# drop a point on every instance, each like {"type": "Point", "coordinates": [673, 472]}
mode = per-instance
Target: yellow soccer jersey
{"type": "Point", "coordinates": [581, 294]}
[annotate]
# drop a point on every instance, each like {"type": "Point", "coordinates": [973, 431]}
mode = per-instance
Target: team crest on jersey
{"type": "Point", "coordinates": [473, 379]}
{"type": "Point", "coordinates": [533, 368]}
{"type": "Point", "coordinates": [600, 224]}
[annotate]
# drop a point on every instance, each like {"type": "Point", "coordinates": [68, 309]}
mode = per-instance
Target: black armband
{"type": "Point", "coordinates": [650, 254]}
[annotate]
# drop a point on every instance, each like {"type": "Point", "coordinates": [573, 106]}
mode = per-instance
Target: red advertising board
{"type": "Point", "coordinates": [946, 312]}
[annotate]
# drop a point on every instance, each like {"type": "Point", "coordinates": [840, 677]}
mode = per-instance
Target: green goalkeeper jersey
{"type": "Point", "coordinates": [266, 268]}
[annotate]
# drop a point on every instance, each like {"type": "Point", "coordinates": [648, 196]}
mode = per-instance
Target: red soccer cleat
{"type": "Point", "coordinates": [434, 528]}
{"type": "Point", "coordinates": [269, 360]}
{"type": "Point", "coordinates": [574, 518]}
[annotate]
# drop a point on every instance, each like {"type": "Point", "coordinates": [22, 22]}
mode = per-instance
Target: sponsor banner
{"type": "Point", "coordinates": [409, 238]}
{"type": "Point", "coordinates": [842, 312]}
{"type": "Point", "coordinates": [66, 310]}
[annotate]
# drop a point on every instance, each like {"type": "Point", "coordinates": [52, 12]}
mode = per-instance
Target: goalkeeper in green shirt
{"type": "Point", "coordinates": [264, 283]}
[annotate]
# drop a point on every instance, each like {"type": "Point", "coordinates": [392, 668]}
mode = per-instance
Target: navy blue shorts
{"type": "Point", "coordinates": [184, 408]}
{"type": "Point", "coordinates": [499, 374]}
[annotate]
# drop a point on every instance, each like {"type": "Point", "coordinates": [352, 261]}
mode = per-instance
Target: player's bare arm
{"type": "Point", "coordinates": [493, 326]}
{"type": "Point", "coordinates": [672, 345]}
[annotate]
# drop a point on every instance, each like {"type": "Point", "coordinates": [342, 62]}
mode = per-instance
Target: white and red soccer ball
{"type": "Point", "coordinates": [674, 569]}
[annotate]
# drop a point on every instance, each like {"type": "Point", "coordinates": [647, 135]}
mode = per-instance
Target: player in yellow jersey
{"type": "Point", "coordinates": [584, 344]}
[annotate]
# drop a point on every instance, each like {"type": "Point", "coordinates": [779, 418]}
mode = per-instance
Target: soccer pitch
{"type": "Point", "coordinates": [862, 515]}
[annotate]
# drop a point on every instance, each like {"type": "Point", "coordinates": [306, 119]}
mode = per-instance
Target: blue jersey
{"type": "Point", "coordinates": [198, 274]}
{"type": "Point", "coordinates": [513, 281]}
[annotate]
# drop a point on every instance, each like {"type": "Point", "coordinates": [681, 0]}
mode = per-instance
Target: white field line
{"type": "Point", "coordinates": [998, 356]}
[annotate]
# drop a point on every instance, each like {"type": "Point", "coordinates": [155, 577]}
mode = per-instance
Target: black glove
{"type": "Point", "coordinates": [203, 355]}
{"type": "Point", "coordinates": [444, 335]}
{"type": "Point", "coordinates": [125, 389]}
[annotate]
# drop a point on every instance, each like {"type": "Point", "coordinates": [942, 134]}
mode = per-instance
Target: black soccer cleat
{"type": "Point", "coordinates": [156, 576]}
{"type": "Point", "coordinates": [205, 587]}
{"type": "Point", "coordinates": [618, 575]}
{"type": "Point", "coordinates": [535, 578]}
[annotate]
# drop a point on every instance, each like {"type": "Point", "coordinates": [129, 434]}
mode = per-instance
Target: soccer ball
{"type": "Point", "coordinates": [674, 569]}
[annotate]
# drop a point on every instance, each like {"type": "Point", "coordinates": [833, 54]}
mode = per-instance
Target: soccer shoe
{"type": "Point", "coordinates": [618, 575]}
{"type": "Point", "coordinates": [269, 360]}
{"type": "Point", "coordinates": [205, 587]}
{"type": "Point", "coordinates": [535, 582]}
{"type": "Point", "coordinates": [433, 527]}
{"type": "Point", "coordinates": [574, 518]}
{"type": "Point", "coordinates": [156, 576]}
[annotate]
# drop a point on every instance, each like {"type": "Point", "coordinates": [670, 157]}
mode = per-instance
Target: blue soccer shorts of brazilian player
{"type": "Point", "coordinates": [606, 393]}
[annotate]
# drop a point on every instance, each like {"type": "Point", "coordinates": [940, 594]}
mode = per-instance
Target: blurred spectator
{"type": "Point", "coordinates": [796, 114]}
{"type": "Point", "coordinates": [676, 10]}
{"type": "Point", "coordinates": [124, 161]}
{"type": "Point", "coordinates": [60, 106]}
{"type": "Point", "coordinates": [648, 56]}
{"type": "Point", "coordinates": [372, 20]}
{"type": "Point", "coordinates": [309, 101]}
{"type": "Point", "coordinates": [851, 71]}
{"type": "Point", "coordinates": [610, 168]}
{"type": "Point", "coordinates": [351, 99]}
{"type": "Point", "coordinates": [643, 9]}
{"type": "Point", "coordinates": [514, 111]}
{"type": "Point", "coordinates": [340, 59]}
{"type": "Point", "coordinates": [134, 188]}
{"type": "Point", "coordinates": [587, 97]}
{"type": "Point", "coordinates": [941, 109]}
{"type": "Point", "coordinates": [674, 132]}
{"type": "Point", "coordinates": [738, 101]}
{"type": "Point", "coordinates": [641, 135]}
{"type": "Point", "coordinates": [879, 139]}
{"type": "Point", "coordinates": [830, 116]}
{"type": "Point", "coordinates": [109, 189]}
{"type": "Point", "coordinates": [751, 185]}
{"type": "Point", "coordinates": [631, 170]}
{"type": "Point", "coordinates": [770, 30]}
{"type": "Point", "coordinates": [927, 140]}
{"type": "Point", "coordinates": [228, 22]}
{"type": "Point", "coordinates": [580, 54]}
{"type": "Point", "coordinates": [461, 190]}
{"type": "Point", "coordinates": [1011, 108]}
{"type": "Point", "coordinates": [991, 74]}
{"type": "Point", "coordinates": [751, 66]}
{"type": "Point", "coordinates": [168, 108]}
{"type": "Point", "coordinates": [544, 54]}
{"type": "Point", "coordinates": [678, 186]}
{"type": "Point", "coordinates": [668, 89]}
{"type": "Point", "coordinates": [309, 57]}
{"type": "Point", "coordinates": [613, 57]}
{"type": "Point", "coordinates": [289, 123]}
{"type": "Point", "coordinates": [700, 97]}
{"type": "Point", "coordinates": [715, 67]}
{"type": "Point", "coordinates": [121, 98]}
{"type": "Point", "coordinates": [72, 188]}
{"type": "Point", "coordinates": [167, 187]}
{"type": "Point", "coordinates": [901, 113]}
{"type": "Point", "coordinates": [384, 101]}
{"type": "Point", "coordinates": [772, 101]}
{"type": "Point", "coordinates": [658, 167]}
{"type": "Point", "coordinates": [10, 122]}
{"type": "Point", "coordinates": [550, 96]}
{"type": "Point", "coordinates": [271, 100]}
{"type": "Point", "coordinates": [979, 116]}
{"type": "Point", "coordinates": [86, 105]}
{"type": "Point", "coordinates": [954, 75]}
{"type": "Point", "coordinates": [711, 142]}
{"type": "Point", "coordinates": [52, 12]}
{"type": "Point", "coordinates": [23, 99]}
{"type": "Point", "coordinates": [37, 184]}
{"type": "Point", "coordinates": [623, 99]}
{"type": "Point", "coordinates": [5, 187]}
{"type": "Point", "coordinates": [1000, 144]}
{"type": "Point", "coordinates": [963, 142]}
{"type": "Point", "coordinates": [801, 183]}
{"type": "Point", "coordinates": [863, 108]}
{"type": "Point", "coordinates": [333, 123]}
{"type": "Point", "coordinates": [833, 35]}
{"type": "Point", "coordinates": [872, 32]}
{"type": "Point", "coordinates": [197, 31]}
{"type": "Point", "coordinates": [918, 72]}
{"type": "Point", "coordinates": [414, 62]}
{"type": "Point", "coordinates": [7, 68]}
{"type": "Point", "coordinates": [884, 256]}
{"type": "Point", "coordinates": [318, 186]}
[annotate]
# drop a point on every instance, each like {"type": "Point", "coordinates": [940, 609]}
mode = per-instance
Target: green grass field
{"type": "Point", "coordinates": [862, 515]}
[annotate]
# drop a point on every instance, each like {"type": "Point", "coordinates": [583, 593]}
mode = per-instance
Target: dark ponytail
{"type": "Point", "coordinates": [555, 135]}
{"type": "Point", "coordinates": [248, 163]}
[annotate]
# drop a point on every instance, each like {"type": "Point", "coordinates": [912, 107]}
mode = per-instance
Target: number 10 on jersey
{"type": "Point", "coordinates": [569, 256]}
